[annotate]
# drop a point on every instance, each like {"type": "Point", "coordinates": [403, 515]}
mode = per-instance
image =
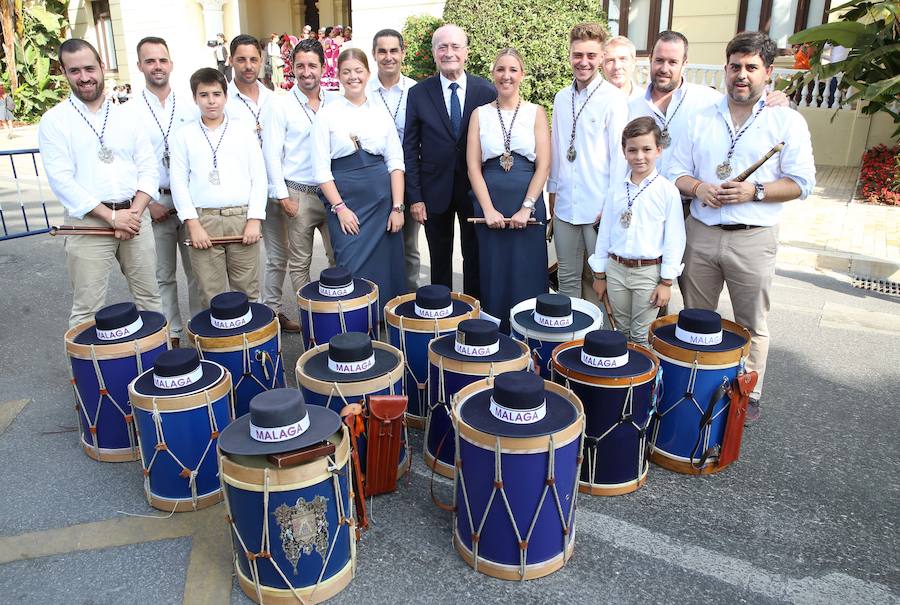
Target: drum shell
{"type": "Point", "coordinates": [229, 351]}
{"type": "Point", "coordinates": [440, 439]}
{"type": "Point", "coordinates": [243, 481]}
{"type": "Point", "coordinates": [118, 364]}
{"type": "Point", "coordinates": [524, 464]}
{"type": "Point", "coordinates": [186, 428]}
{"type": "Point", "coordinates": [320, 320]}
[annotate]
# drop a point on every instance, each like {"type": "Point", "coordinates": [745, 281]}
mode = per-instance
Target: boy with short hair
{"type": "Point", "coordinates": [219, 189]}
{"type": "Point", "coordinates": [641, 238]}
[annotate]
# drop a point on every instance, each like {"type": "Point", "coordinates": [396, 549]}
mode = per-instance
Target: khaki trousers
{"type": "Point", "coordinates": [574, 244]}
{"type": "Point", "coordinates": [745, 260]}
{"type": "Point", "coordinates": [629, 290]}
{"type": "Point", "coordinates": [301, 233]}
{"type": "Point", "coordinates": [413, 260]}
{"type": "Point", "coordinates": [169, 236]}
{"type": "Point", "coordinates": [90, 259]}
{"type": "Point", "coordinates": [229, 267]}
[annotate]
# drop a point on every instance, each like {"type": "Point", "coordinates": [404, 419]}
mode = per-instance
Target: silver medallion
{"type": "Point", "coordinates": [571, 155]}
{"type": "Point", "coordinates": [506, 161]}
{"type": "Point", "coordinates": [723, 170]}
{"type": "Point", "coordinates": [665, 139]}
{"type": "Point", "coordinates": [165, 158]}
{"type": "Point", "coordinates": [106, 155]}
{"type": "Point", "coordinates": [214, 177]}
{"type": "Point", "coordinates": [625, 218]}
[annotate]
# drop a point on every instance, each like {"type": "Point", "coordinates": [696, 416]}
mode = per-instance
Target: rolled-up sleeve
{"type": "Point", "coordinates": [797, 162]}
{"type": "Point", "coordinates": [321, 140]}
{"type": "Point", "coordinates": [393, 148]}
{"type": "Point", "coordinates": [674, 238]}
{"type": "Point", "coordinates": [599, 258]}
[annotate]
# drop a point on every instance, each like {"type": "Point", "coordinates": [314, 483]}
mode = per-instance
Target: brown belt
{"type": "Point", "coordinates": [636, 262]}
{"type": "Point", "coordinates": [118, 205]}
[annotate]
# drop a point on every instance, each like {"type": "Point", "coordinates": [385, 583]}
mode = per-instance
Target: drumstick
{"type": "Point", "coordinates": [609, 313]}
{"type": "Point", "coordinates": [755, 166]}
{"type": "Point", "coordinates": [481, 221]}
{"type": "Point", "coordinates": [218, 241]}
{"type": "Point", "coordinates": [80, 230]}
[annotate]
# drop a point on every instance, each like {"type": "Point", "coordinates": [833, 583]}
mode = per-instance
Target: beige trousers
{"type": "Point", "coordinates": [413, 259]}
{"type": "Point", "coordinates": [169, 236]}
{"type": "Point", "coordinates": [745, 260]}
{"type": "Point", "coordinates": [574, 244]}
{"type": "Point", "coordinates": [90, 258]}
{"type": "Point", "coordinates": [301, 233]}
{"type": "Point", "coordinates": [229, 267]}
{"type": "Point", "coordinates": [629, 290]}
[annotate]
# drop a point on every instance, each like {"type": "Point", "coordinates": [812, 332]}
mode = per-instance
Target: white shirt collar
{"type": "Point", "coordinates": [597, 81]}
{"type": "Point", "coordinates": [79, 104]}
{"type": "Point", "coordinates": [646, 179]}
{"type": "Point", "coordinates": [233, 91]}
{"type": "Point", "coordinates": [722, 107]}
{"type": "Point", "coordinates": [217, 128]}
{"type": "Point", "coordinates": [152, 98]}
{"type": "Point", "coordinates": [445, 83]}
{"type": "Point", "coordinates": [301, 96]}
{"type": "Point", "coordinates": [400, 85]}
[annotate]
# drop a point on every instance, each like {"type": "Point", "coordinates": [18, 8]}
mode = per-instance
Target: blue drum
{"type": "Point", "coordinates": [337, 303]}
{"type": "Point", "coordinates": [617, 383]}
{"type": "Point", "coordinates": [291, 522]}
{"type": "Point", "coordinates": [332, 383]}
{"type": "Point", "coordinates": [700, 355]}
{"type": "Point", "coordinates": [243, 337]}
{"type": "Point", "coordinates": [179, 408]}
{"type": "Point", "coordinates": [518, 444]}
{"type": "Point", "coordinates": [550, 319]}
{"type": "Point", "coordinates": [412, 321]}
{"type": "Point", "coordinates": [474, 352]}
{"type": "Point", "coordinates": [105, 355]}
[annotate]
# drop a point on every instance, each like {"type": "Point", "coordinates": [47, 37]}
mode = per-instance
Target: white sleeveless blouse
{"type": "Point", "coordinates": [491, 134]}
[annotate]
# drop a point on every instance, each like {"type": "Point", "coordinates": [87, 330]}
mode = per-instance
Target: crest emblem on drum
{"type": "Point", "coordinates": [304, 526]}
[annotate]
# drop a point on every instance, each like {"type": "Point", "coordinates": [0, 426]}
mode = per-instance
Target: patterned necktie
{"type": "Point", "coordinates": [455, 110]}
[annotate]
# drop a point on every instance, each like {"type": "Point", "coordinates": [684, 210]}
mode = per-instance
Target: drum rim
{"type": "Point", "coordinates": [709, 358]}
{"type": "Point", "coordinates": [359, 387]}
{"type": "Point", "coordinates": [506, 571]}
{"type": "Point", "coordinates": [324, 306]}
{"type": "Point", "coordinates": [235, 342]}
{"type": "Point", "coordinates": [481, 368]}
{"type": "Point", "coordinates": [614, 381]}
{"type": "Point", "coordinates": [119, 350]}
{"type": "Point", "coordinates": [578, 304]}
{"type": "Point", "coordinates": [185, 402]}
{"type": "Point", "coordinates": [324, 590]}
{"type": "Point", "coordinates": [445, 324]}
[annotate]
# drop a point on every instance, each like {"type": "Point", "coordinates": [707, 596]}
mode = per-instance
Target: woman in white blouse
{"type": "Point", "coordinates": [358, 163]}
{"type": "Point", "coordinates": [508, 158]}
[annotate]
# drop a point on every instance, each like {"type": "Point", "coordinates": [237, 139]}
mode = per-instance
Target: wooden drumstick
{"type": "Point", "coordinates": [609, 312]}
{"type": "Point", "coordinates": [80, 230]}
{"type": "Point", "coordinates": [480, 221]}
{"type": "Point", "coordinates": [755, 166]}
{"type": "Point", "coordinates": [218, 241]}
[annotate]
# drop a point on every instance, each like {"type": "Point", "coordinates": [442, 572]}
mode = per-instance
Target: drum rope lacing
{"type": "Point", "coordinates": [261, 356]}
{"type": "Point", "coordinates": [341, 318]}
{"type": "Point", "coordinates": [420, 386]}
{"type": "Point", "coordinates": [265, 540]}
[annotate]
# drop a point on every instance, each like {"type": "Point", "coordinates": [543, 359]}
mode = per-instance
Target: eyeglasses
{"type": "Point", "coordinates": [455, 47]}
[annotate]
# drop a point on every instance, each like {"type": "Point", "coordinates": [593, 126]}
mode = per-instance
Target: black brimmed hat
{"type": "Point", "coordinates": [553, 313]}
{"type": "Point", "coordinates": [605, 353]}
{"type": "Point", "coordinates": [178, 372]}
{"type": "Point", "coordinates": [335, 283]}
{"type": "Point", "coordinates": [700, 330]}
{"type": "Point", "coordinates": [350, 358]}
{"type": "Point", "coordinates": [518, 406]}
{"type": "Point", "coordinates": [230, 314]}
{"type": "Point", "coordinates": [433, 302]}
{"type": "Point", "coordinates": [279, 421]}
{"type": "Point", "coordinates": [121, 322]}
{"type": "Point", "coordinates": [478, 341]}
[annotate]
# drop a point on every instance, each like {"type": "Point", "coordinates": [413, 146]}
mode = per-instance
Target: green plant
{"type": "Point", "coordinates": [417, 32]}
{"type": "Point", "coordinates": [538, 29]}
{"type": "Point", "coordinates": [871, 72]}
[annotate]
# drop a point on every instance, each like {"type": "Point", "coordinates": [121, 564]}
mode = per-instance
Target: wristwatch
{"type": "Point", "coordinates": [760, 192]}
{"type": "Point", "coordinates": [599, 276]}
{"type": "Point", "coordinates": [399, 208]}
{"type": "Point", "coordinates": [529, 203]}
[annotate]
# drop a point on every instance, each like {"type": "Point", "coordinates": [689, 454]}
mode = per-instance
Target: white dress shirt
{"type": "Point", "coordinates": [146, 106]}
{"type": "Point", "coordinates": [582, 186]}
{"type": "Point", "coordinates": [460, 92]}
{"type": "Point", "coordinates": [340, 120]}
{"type": "Point", "coordinates": [393, 99]}
{"type": "Point", "coordinates": [287, 139]}
{"type": "Point", "coordinates": [69, 149]}
{"type": "Point", "coordinates": [239, 161]}
{"type": "Point", "coordinates": [657, 225]}
{"type": "Point", "coordinates": [687, 101]}
{"type": "Point", "coordinates": [706, 146]}
{"type": "Point", "coordinates": [491, 134]}
{"type": "Point", "coordinates": [240, 107]}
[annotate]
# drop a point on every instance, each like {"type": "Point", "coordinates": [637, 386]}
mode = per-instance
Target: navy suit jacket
{"type": "Point", "coordinates": [435, 159]}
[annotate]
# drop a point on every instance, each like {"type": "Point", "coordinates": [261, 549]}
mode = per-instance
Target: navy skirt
{"type": "Point", "coordinates": [513, 262]}
{"type": "Point", "coordinates": [376, 254]}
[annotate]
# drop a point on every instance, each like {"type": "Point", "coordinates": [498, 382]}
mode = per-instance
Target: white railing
{"type": "Point", "coordinates": [819, 94]}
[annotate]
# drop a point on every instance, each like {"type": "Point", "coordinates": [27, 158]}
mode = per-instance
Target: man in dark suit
{"type": "Point", "coordinates": [434, 145]}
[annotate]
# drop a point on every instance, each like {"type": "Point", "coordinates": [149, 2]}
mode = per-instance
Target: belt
{"type": "Point", "coordinates": [118, 205]}
{"type": "Point", "coordinates": [737, 227]}
{"type": "Point", "coordinates": [165, 191]}
{"type": "Point", "coordinates": [636, 262]}
{"type": "Point", "coordinates": [311, 189]}
{"type": "Point", "coordinates": [226, 211]}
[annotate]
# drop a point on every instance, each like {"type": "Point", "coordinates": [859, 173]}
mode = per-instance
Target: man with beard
{"type": "Point", "coordinates": [159, 113]}
{"type": "Point", "coordinates": [391, 89]}
{"type": "Point", "coordinates": [732, 231]}
{"type": "Point", "coordinates": [104, 173]}
{"type": "Point", "coordinates": [291, 221]}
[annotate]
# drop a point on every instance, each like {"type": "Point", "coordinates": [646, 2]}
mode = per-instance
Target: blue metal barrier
{"type": "Point", "coordinates": [12, 154]}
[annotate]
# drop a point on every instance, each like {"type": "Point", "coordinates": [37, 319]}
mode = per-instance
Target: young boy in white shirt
{"type": "Point", "coordinates": [219, 187]}
{"type": "Point", "coordinates": [641, 239]}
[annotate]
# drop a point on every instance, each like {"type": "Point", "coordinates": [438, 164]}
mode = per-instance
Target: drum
{"type": "Point", "coordinates": [178, 418]}
{"type": "Point", "coordinates": [690, 421]}
{"type": "Point", "coordinates": [100, 371]}
{"type": "Point", "coordinates": [449, 370]}
{"type": "Point", "coordinates": [324, 387]}
{"type": "Point", "coordinates": [618, 401]}
{"type": "Point", "coordinates": [542, 338]}
{"type": "Point", "coordinates": [410, 331]}
{"type": "Point", "coordinates": [516, 487]}
{"type": "Point", "coordinates": [291, 525]}
{"type": "Point", "coordinates": [337, 303]}
{"type": "Point", "coordinates": [250, 351]}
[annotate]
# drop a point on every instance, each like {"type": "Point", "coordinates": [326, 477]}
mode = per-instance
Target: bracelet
{"type": "Point", "coordinates": [600, 276]}
{"type": "Point", "coordinates": [337, 207]}
{"type": "Point", "coordinates": [114, 218]}
{"type": "Point", "coordinates": [665, 282]}
{"type": "Point", "coordinates": [695, 188]}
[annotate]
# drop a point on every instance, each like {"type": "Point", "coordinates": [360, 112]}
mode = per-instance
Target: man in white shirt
{"type": "Point", "coordinates": [619, 62]}
{"type": "Point", "coordinates": [586, 141]}
{"type": "Point", "coordinates": [104, 174]}
{"type": "Point", "coordinates": [390, 88]}
{"type": "Point", "coordinates": [732, 232]}
{"type": "Point", "coordinates": [219, 187]}
{"type": "Point", "coordinates": [160, 114]}
{"type": "Point", "coordinates": [247, 96]}
{"type": "Point", "coordinates": [291, 222]}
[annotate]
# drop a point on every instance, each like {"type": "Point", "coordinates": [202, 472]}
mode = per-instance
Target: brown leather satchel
{"type": "Point", "coordinates": [385, 435]}
{"type": "Point", "coordinates": [739, 395]}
